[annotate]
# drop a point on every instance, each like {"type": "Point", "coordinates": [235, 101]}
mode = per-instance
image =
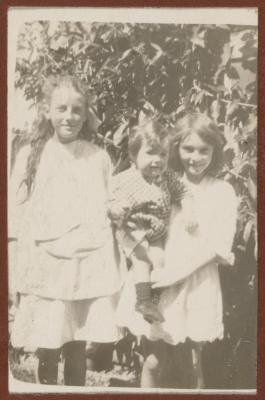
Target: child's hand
{"type": "Point", "coordinates": [228, 260]}
{"type": "Point", "coordinates": [13, 299]}
{"type": "Point", "coordinates": [131, 224]}
{"type": "Point", "coordinates": [141, 220]}
{"type": "Point", "coordinates": [118, 212]}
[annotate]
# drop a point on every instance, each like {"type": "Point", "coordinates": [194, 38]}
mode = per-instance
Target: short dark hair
{"type": "Point", "coordinates": [151, 131]}
{"type": "Point", "coordinates": [207, 130]}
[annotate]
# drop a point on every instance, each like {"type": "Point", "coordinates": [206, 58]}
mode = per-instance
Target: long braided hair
{"type": "Point", "coordinates": [42, 127]}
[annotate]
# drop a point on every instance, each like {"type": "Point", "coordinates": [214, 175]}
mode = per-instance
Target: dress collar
{"type": "Point", "coordinates": [195, 187]}
{"type": "Point", "coordinates": [70, 150]}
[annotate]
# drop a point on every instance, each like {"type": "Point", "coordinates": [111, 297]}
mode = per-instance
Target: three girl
{"type": "Point", "coordinates": [200, 237]}
{"type": "Point", "coordinates": [66, 270]}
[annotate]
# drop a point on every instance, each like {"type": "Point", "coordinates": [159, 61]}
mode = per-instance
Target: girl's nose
{"type": "Point", "coordinates": [156, 160]}
{"type": "Point", "coordinates": [68, 113]}
{"type": "Point", "coordinates": [195, 156]}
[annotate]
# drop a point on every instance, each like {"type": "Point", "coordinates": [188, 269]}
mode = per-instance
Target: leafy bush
{"type": "Point", "coordinates": [166, 68]}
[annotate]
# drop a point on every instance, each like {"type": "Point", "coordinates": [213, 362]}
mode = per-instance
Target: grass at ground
{"type": "Point", "coordinates": [23, 367]}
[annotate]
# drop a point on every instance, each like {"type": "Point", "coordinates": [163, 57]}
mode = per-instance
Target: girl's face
{"type": "Point", "coordinates": [196, 156]}
{"type": "Point", "coordinates": [67, 113]}
{"type": "Point", "coordinates": [152, 161]}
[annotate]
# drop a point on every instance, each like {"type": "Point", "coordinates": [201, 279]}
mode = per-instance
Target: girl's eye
{"type": "Point", "coordinates": [61, 108]}
{"type": "Point", "coordinates": [77, 110]}
{"type": "Point", "coordinates": [188, 149]}
{"type": "Point", "coordinates": [204, 151]}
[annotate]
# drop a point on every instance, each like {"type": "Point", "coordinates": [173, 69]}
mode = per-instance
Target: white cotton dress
{"type": "Point", "coordinates": [65, 265]}
{"type": "Point", "coordinates": [191, 302]}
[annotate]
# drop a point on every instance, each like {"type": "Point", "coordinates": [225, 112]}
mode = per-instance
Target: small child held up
{"type": "Point", "coordinates": [140, 208]}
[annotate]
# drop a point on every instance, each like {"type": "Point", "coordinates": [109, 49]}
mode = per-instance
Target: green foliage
{"type": "Point", "coordinates": [164, 67]}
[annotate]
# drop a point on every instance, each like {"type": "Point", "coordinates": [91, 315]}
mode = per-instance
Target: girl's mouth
{"type": "Point", "coordinates": [156, 170]}
{"type": "Point", "coordinates": [193, 165]}
{"type": "Point", "coordinates": [67, 127]}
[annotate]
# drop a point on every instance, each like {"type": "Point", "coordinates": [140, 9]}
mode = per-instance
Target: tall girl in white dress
{"type": "Point", "coordinates": [200, 237]}
{"type": "Point", "coordinates": [66, 271]}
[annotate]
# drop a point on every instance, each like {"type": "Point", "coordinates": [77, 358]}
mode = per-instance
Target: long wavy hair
{"type": "Point", "coordinates": [207, 130]}
{"type": "Point", "coordinates": [42, 127]}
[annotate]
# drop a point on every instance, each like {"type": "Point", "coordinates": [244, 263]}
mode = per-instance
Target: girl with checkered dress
{"type": "Point", "coordinates": [140, 207]}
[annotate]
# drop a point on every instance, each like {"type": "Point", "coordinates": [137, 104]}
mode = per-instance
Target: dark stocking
{"type": "Point", "coordinates": [75, 363]}
{"type": "Point", "coordinates": [48, 365]}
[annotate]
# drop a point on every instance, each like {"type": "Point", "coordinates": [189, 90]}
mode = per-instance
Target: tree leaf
{"type": "Point", "coordinates": [252, 188]}
{"type": "Point", "coordinates": [120, 134]}
{"type": "Point", "coordinates": [60, 43]}
{"type": "Point", "coordinates": [231, 79]}
{"type": "Point", "coordinates": [247, 230]}
{"type": "Point", "coordinates": [125, 54]}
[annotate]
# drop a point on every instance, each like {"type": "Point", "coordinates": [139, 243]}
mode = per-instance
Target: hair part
{"type": "Point", "coordinates": [42, 127]}
{"type": "Point", "coordinates": [207, 130]}
{"type": "Point", "coordinates": [151, 132]}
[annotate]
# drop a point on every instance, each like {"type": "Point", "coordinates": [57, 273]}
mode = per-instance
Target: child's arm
{"type": "Point", "coordinates": [212, 247]}
{"type": "Point", "coordinates": [166, 278]}
{"type": "Point", "coordinates": [17, 192]}
{"type": "Point", "coordinates": [155, 226]}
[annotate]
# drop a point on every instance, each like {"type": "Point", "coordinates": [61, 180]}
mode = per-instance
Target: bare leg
{"type": "Point", "coordinates": [75, 363]}
{"type": "Point", "coordinates": [156, 355]}
{"type": "Point", "coordinates": [197, 364]}
{"type": "Point", "coordinates": [90, 364]}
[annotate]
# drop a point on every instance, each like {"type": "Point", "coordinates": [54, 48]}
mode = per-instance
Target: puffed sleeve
{"type": "Point", "coordinates": [107, 170]}
{"type": "Point", "coordinates": [120, 200]}
{"type": "Point", "coordinates": [223, 229]}
{"type": "Point", "coordinates": [17, 192]}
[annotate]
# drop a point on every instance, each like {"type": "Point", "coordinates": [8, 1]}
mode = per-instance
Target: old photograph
{"type": "Point", "coordinates": [132, 200]}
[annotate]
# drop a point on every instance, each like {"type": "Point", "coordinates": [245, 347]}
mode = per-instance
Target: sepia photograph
{"type": "Point", "coordinates": [132, 200]}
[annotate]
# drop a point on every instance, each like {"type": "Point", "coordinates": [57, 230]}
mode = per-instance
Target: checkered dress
{"type": "Point", "coordinates": [149, 204]}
